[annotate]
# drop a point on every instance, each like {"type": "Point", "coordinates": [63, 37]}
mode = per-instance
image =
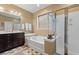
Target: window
{"type": "Point", "coordinates": [46, 22]}
{"type": "Point", "coordinates": [23, 27]}
{"type": "Point", "coordinates": [17, 27]}
{"type": "Point", "coordinates": [43, 22]}
{"type": "Point", "coordinates": [28, 26]}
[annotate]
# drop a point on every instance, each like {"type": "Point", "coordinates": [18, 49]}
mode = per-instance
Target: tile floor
{"type": "Point", "coordinates": [22, 50]}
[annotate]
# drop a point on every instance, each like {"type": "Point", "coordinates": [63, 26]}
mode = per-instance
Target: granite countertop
{"type": "Point", "coordinates": [4, 32]}
{"type": "Point", "coordinates": [30, 34]}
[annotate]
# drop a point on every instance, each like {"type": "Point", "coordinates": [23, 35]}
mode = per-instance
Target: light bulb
{"type": "Point", "coordinates": [11, 11]}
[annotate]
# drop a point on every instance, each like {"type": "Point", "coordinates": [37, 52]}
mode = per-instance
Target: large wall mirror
{"type": "Point", "coordinates": [8, 23]}
{"type": "Point", "coordinates": [13, 23]}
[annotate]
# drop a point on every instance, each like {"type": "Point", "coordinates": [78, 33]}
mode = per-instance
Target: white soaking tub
{"type": "Point", "coordinates": [36, 43]}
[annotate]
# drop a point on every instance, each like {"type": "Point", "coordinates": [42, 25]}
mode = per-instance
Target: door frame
{"type": "Point", "coordinates": [65, 39]}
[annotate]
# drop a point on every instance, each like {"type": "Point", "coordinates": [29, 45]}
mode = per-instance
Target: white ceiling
{"type": "Point", "coordinates": [32, 7]}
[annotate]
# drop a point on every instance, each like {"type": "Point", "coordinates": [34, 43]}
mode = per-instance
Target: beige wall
{"type": "Point", "coordinates": [51, 8]}
{"type": "Point", "coordinates": [32, 17]}
{"type": "Point", "coordinates": [25, 17]}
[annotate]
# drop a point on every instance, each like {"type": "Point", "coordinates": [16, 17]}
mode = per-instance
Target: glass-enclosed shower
{"type": "Point", "coordinates": [67, 31]}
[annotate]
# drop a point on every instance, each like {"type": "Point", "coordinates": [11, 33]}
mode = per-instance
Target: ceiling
{"type": "Point", "coordinates": [32, 7]}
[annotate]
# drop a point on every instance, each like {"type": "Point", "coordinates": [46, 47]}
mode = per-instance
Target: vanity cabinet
{"type": "Point", "coordinates": [11, 40]}
{"type": "Point", "coordinates": [1, 44]}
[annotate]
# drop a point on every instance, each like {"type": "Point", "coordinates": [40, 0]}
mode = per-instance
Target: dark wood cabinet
{"type": "Point", "coordinates": [11, 40]}
{"type": "Point", "coordinates": [1, 45]}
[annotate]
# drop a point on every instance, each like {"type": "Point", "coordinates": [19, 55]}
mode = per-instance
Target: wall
{"type": "Point", "coordinates": [25, 17]}
{"type": "Point", "coordinates": [51, 8]}
{"type": "Point", "coordinates": [32, 18]}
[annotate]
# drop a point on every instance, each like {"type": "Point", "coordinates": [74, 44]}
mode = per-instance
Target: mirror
{"type": "Point", "coordinates": [9, 23]}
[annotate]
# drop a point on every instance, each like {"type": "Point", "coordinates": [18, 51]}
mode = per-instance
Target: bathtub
{"type": "Point", "coordinates": [36, 43]}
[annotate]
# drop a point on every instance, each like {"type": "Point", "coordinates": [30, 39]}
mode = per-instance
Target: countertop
{"type": "Point", "coordinates": [50, 40]}
{"type": "Point", "coordinates": [4, 32]}
{"type": "Point", "coordinates": [30, 34]}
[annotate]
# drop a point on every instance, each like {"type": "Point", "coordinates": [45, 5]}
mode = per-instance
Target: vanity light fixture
{"type": "Point", "coordinates": [11, 11]}
{"type": "Point", "coordinates": [1, 9]}
{"type": "Point", "coordinates": [15, 13]}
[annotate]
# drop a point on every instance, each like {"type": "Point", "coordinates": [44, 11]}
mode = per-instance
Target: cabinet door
{"type": "Point", "coordinates": [9, 41]}
{"type": "Point", "coordinates": [1, 45]}
{"type": "Point", "coordinates": [2, 42]}
{"type": "Point", "coordinates": [18, 39]}
{"type": "Point", "coordinates": [21, 38]}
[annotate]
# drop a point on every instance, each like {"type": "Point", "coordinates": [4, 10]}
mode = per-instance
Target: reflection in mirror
{"type": "Point", "coordinates": [28, 27]}
{"type": "Point", "coordinates": [1, 26]}
{"type": "Point", "coordinates": [9, 23]}
{"type": "Point", "coordinates": [8, 26]}
{"type": "Point", "coordinates": [17, 27]}
{"type": "Point", "coordinates": [22, 27]}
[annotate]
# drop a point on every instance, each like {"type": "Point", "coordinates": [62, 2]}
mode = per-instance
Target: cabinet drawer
{"type": "Point", "coordinates": [9, 41]}
{"type": "Point", "coordinates": [6, 36]}
{"type": "Point", "coordinates": [18, 35]}
{"type": "Point", "coordinates": [3, 36]}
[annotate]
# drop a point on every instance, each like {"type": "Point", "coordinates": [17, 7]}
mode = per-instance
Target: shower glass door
{"type": "Point", "coordinates": [73, 31]}
{"type": "Point", "coordinates": [60, 21]}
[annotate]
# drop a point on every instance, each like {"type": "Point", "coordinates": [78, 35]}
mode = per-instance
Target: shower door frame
{"type": "Point", "coordinates": [65, 27]}
{"type": "Point", "coordinates": [77, 5]}
{"type": "Point", "coordinates": [65, 36]}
